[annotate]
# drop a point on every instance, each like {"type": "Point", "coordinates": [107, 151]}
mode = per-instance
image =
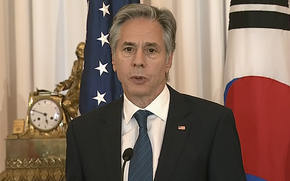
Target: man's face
{"type": "Point", "coordinates": [140, 59]}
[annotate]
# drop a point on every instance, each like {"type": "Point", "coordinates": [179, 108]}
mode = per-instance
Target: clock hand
{"type": "Point", "coordinates": [45, 115]}
{"type": "Point", "coordinates": [39, 112]}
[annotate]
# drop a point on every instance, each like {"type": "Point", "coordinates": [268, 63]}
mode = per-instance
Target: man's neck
{"type": "Point", "coordinates": [144, 101]}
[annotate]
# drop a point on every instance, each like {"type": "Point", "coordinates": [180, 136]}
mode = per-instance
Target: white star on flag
{"type": "Point", "coordinates": [105, 9]}
{"type": "Point", "coordinates": [103, 38]}
{"type": "Point", "coordinates": [100, 97]}
{"type": "Point", "coordinates": [102, 68]}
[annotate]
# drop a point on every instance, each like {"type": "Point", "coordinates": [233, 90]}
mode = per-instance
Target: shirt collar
{"type": "Point", "coordinates": [159, 106]}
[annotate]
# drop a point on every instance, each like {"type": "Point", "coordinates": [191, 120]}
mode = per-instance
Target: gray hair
{"type": "Point", "coordinates": [131, 11]}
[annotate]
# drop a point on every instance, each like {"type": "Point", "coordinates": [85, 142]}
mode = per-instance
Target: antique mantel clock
{"type": "Point", "coordinates": [37, 148]}
{"type": "Point", "coordinates": [46, 117]}
{"type": "Point", "coordinates": [38, 151]}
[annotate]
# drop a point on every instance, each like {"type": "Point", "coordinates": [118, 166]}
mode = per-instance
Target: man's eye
{"type": "Point", "coordinates": [128, 49]}
{"type": "Point", "coordinates": [151, 50]}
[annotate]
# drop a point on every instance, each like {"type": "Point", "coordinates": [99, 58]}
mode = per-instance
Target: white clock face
{"type": "Point", "coordinates": [45, 114]}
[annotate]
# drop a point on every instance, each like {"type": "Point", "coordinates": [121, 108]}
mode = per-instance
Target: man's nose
{"type": "Point", "coordinates": [139, 59]}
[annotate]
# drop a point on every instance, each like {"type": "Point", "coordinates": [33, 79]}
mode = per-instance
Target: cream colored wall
{"type": "Point", "coordinates": [17, 69]}
{"type": "Point", "coordinates": [3, 85]}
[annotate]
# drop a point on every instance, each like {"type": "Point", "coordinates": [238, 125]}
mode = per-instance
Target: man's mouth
{"type": "Point", "coordinates": [138, 79]}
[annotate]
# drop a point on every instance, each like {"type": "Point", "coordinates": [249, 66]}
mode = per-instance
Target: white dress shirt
{"type": "Point", "coordinates": [155, 126]}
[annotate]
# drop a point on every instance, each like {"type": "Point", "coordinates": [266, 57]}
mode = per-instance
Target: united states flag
{"type": "Point", "coordinates": [258, 85]}
{"type": "Point", "coordinates": [99, 84]}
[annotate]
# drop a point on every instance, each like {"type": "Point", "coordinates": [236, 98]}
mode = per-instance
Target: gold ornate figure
{"type": "Point", "coordinates": [72, 84]}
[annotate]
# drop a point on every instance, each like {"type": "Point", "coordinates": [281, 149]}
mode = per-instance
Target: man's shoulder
{"type": "Point", "coordinates": [101, 112]}
{"type": "Point", "coordinates": [198, 109]}
{"type": "Point", "coordinates": [193, 101]}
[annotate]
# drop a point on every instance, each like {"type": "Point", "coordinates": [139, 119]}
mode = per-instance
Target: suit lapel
{"type": "Point", "coordinates": [173, 141]}
{"type": "Point", "coordinates": [111, 140]}
{"type": "Point", "coordinates": [176, 132]}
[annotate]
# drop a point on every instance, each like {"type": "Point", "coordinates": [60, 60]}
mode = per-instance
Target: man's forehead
{"type": "Point", "coordinates": [140, 32]}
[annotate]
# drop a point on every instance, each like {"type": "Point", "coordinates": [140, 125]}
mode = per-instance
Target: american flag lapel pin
{"type": "Point", "coordinates": [182, 128]}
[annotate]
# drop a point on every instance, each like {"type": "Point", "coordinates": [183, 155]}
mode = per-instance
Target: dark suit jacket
{"type": "Point", "coordinates": [207, 150]}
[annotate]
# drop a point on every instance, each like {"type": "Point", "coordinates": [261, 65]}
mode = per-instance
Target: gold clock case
{"type": "Point", "coordinates": [57, 132]}
{"type": "Point", "coordinates": [37, 154]}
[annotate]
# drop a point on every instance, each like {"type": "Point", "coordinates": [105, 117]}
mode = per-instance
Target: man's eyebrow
{"type": "Point", "coordinates": [151, 44]}
{"type": "Point", "coordinates": [126, 43]}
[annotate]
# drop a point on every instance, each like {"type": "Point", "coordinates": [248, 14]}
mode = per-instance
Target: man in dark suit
{"type": "Point", "coordinates": [189, 138]}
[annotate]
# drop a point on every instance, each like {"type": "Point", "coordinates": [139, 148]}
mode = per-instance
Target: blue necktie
{"type": "Point", "coordinates": [141, 164]}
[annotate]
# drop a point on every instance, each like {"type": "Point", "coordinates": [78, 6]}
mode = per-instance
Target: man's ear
{"type": "Point", "coordinates": [169, 61]}
{"type": "Point", "coordinates": [113, 63]}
